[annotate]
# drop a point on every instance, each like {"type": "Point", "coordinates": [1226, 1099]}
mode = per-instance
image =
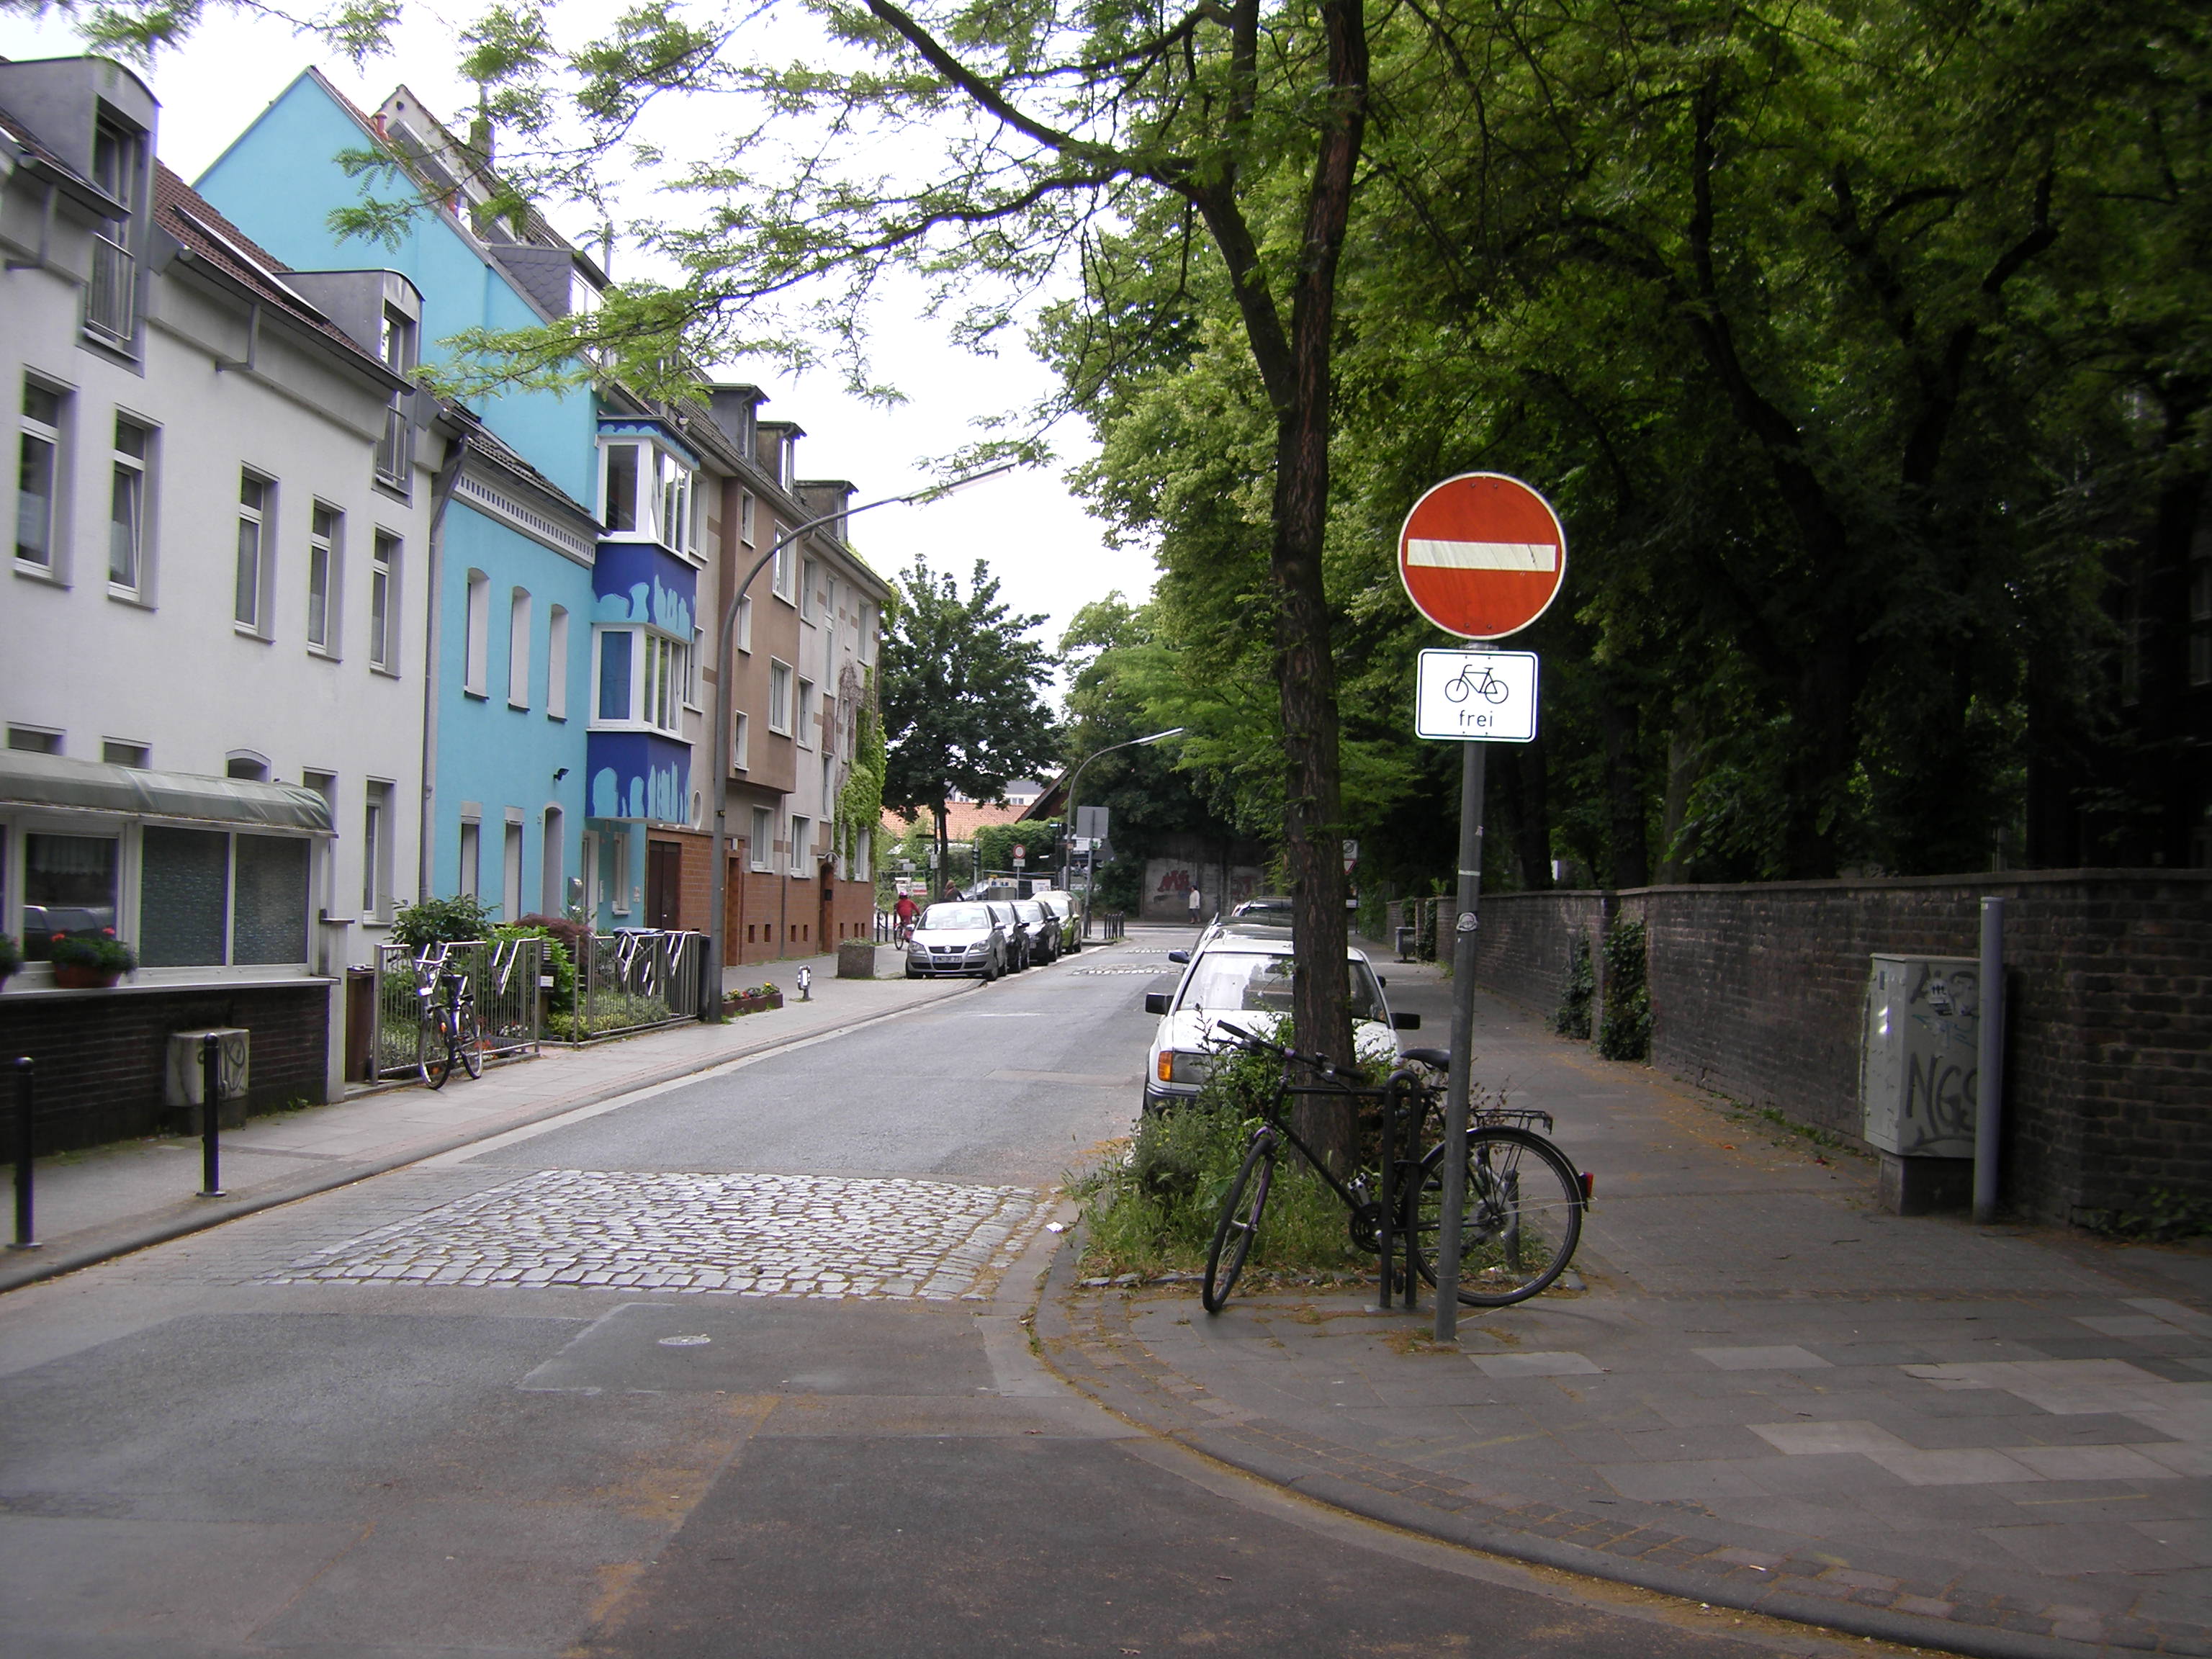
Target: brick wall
{"type": "Point", "coordinates": [101, 1056]}
{"type": "Point", "coordinates": [772, 916]}
{"type": "Point", "coordinates": [1757, 992]}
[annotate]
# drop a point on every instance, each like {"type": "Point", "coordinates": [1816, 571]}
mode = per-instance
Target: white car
{"type": "Point", "coordinates": [1247, 980]}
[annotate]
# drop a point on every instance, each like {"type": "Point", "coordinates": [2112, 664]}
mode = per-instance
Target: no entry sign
{"type": "Point", "coordinates": [1482, 556]}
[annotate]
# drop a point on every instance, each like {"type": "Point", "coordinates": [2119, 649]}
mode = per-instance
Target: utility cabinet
{"type": "Point", "coordinates": [1919, 1076]}
{"type": "Point", "coordinates": [183, 1083]}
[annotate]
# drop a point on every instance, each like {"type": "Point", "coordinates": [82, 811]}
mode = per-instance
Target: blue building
{"type": "Point", "coordinates": [518, 598]}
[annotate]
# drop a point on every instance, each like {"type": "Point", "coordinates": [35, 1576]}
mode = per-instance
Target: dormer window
{"type": "Point", "coordinates": [117, 157]}
{"type": "Point", "coordinates": [648, 492]}
{"type": "Point", "coordinates": [110, 298]}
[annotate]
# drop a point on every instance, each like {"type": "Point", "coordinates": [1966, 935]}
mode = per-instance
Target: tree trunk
{"type": "Point", "coordinates": [1533, 831]}
{"type": "Point", "coordinates": [1632, 859]}
{"type": "Point", "coordinates": [1686, 763]}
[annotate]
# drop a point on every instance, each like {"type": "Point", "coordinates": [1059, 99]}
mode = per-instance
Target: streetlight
{"type": "Point", "coordinates": [1067, 820]}
{"type": "Point", "coordinates": [710, 994]}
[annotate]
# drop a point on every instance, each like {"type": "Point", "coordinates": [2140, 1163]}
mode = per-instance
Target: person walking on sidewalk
{"type": "Point", "coordinates": [1197, 903]}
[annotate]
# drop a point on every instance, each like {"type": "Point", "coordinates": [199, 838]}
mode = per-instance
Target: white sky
{"type": "Point", "coordinates": [1047, 552]}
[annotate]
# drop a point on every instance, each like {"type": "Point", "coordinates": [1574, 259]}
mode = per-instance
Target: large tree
{"type": "Point", "coordinates": [962, 693]}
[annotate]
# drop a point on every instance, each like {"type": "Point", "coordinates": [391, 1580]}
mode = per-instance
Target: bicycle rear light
{"type": "Point", "coordinates": [1589, 1188]}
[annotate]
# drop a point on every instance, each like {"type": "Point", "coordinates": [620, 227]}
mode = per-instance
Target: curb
{"type": "Point", "coordinates": [21, 1267]}
{"type": "Point", "coordinates": [1164, 1402]}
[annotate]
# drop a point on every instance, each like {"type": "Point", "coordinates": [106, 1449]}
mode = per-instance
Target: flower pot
{"type": "Point", "coordinates": [73, 976]}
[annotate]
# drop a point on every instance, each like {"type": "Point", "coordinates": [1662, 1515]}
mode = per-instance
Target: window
{"type": "Point", "coordinates": [614, 674]}
{"type": "Point", "coordinates": [323, 524]}
{"type": "Point", "coordinates": [115, 150]}
{"type": "Point", "coordinates": [476, 644]}
{"type": "Point", "coordinates": [472, 854]}
{"type": "Point", "coordinates": [556, 663]}
{"type": "Point", "coordinates": [126, 510]}
{"type": "Point", "coordinates": [745, 517]}
{"type": "Point", "coordinates": [325, 784]}
{"type": "Point", "coordinates": [779, 697]}
{"type": "Point", "coordinates": [745, 633]}
{"type": "Point", "coordinates": [117, 751]}
{"type": "Point", "coordinates": [802, 844]}
{"type": "Point", "coordinates": [34, 740]}
{"type": "Point", "coordinates": [829, 788]}
{"type": "Point", "coordinates": [510, 886]}
{"type": "Point", "coordinates": [763, 846]}
{"type": "Point", "coordinates": [395, 450]}
{"type": "Point", "coordinates": [741, 745]}
{"type": "Point", "coordinates": [552, 861]}
{"type": "Point", "coordinates": [209, 898]}
{"type": "Point", "coordinates": [383, 603]}
{"type": "Point", "coordinates": [867, 631]}
{"type": "Point", "coordinates": [248, 768]}
{"type": "Point", "coordinates": [614, 870]}
{"type": "Point", "coordinates": [809, 611]}
{"type": "Point", "coordinates": [863, 849]}
{"type": "Point", "coordinates": [110, 298]}
{"type": "Point", "coordinates": [375, 827]}
{"type": "Point", "coordinates": [618, 489]}
{"type": "Point", "coordinates": [676, 528]}
{"type": "Point", "coordinates": [805, 714]}
{"type": "Point", "coordinates": [37, 488]}
{"type": "Point", "coordinates": [518, 648]}
{"type": "Point", "coordinates": [256, 504]}
{"type": "Point", "coordinates": [68, 889]}
{"type": "Point", "coordinates": [787, 561]}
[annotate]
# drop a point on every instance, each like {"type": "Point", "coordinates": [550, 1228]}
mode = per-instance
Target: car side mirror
{"type": "Point", "coordinates": [1382, 981]}
{"type": "Point", "coordinates": [1405, 1022]}
{"type": "Point", "coordinates": [1178, 956]}
{"type": "Point", "coordinates": [1156, 1002]}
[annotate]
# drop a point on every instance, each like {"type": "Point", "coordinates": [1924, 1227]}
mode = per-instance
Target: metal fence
{"type": "Point", "coordinates": [633, 981]}
{"type": "Point", "coordinates": [501, 975]}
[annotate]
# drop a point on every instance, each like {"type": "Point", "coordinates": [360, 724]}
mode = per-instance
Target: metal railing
{"type": "Point", "coordinates": [633, 981]}
{"type": "Point", "coordinates": [111, 300]}
{"type": "Point", "coordinates": [395, 450]}
{"type": "Point", "coordinates": [502, 975]}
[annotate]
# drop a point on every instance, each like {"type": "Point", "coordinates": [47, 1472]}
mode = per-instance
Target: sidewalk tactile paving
{"type": "Point", "coordinates": [739, 1234]}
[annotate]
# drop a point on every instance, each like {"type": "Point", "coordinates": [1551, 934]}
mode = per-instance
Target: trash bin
{"type": "Point", "coordinates": [1405, 944]}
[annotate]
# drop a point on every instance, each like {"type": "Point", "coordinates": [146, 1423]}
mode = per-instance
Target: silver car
{"type": "Point", "coordinates": [956, 937]}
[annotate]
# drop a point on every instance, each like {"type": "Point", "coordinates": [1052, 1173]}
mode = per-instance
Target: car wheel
{"type": "Point", "coordinates": [914, 973]}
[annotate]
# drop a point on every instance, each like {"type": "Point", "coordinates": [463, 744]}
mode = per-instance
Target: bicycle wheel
{"type": "Point", "coordinates": [1522, 1218]}
{"type": "Point", "coordinates": [1239, 1224]}
{"type": "Point", "coordinates": [470, 1038]}
{"type": "Point", "coordinates": [438, 1046]}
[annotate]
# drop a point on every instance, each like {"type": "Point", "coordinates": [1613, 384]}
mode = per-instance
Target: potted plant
{"type": "Point", "coordinates": [753, 999]}
{"type": "Point", "coordinates": [11, 957]}
{"type": "Point", "coordinates": [83, 961]}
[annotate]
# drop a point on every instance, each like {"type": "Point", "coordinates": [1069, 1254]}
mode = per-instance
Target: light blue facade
{"type": "Point", "coordinates": [505, 754]}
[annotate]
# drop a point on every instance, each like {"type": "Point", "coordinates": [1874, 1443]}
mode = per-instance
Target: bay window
{"type": "Point", "coordinates": [649, 492]}
{"type": "Point", "coordinates": [642, 676]}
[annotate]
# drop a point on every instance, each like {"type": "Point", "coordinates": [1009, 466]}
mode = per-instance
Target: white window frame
{"type": "Point", "coordinates": [779, 697]}
{"type": "Point", "coordinates": [744, 629]}
{"type": "Point", "coordinates": [868, 626]}
{"type": "Point", "coordinates": [137, 470]}
{"type": "Point", "coordinates": [469, 877]}
{"type": "Point", "coordinates": [30, 428]}
{"type": "Point", "coordinates": [325, 556]}
{"type": "Point", "coordinates": [376, 836]}
{"type": "Point", "coordinates": [660, 668]}
{"type": "Point", "coordinates": [607, 447]}
{"type": "Point", "coordinates": [556, 663]}
{"type": "Point", "coordinates": [384, 557]}
{"type": "Point", "coordinates": [786, 568]}
{"type": "Point", "coordinates": [809, 573]}
{"type": "Point", "coordinates": [761, 851]}
{"type": "Point", "coordinates": [261, 518]}
{"type": "Point", "coordinates": [513, 865]}
{"type": "Point", "coordinates": [745, 517]}
{"type": "Point", "coordinates": [475, 643]}
{"type": "Point", "coordinates": [805, 733]}
{"type": "Point", "coordinates": [518, 648]}
{"type": "Point", "coordinates": [741, 744]}
{"type": "Point", "coordinates": [802, 843]}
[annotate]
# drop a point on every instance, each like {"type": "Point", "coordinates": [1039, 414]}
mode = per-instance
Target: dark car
{"type": "Point", "coordinates": [1017, 931]}
{"type": "Point", "coordinates": [1042, 927]}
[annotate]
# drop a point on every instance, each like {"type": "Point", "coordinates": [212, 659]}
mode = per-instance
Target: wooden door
{"type": "Point", "coordinates": [664, 864]}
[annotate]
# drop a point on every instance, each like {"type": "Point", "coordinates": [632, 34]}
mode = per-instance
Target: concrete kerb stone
{"type": "Point", "coordinates": [1142, 1390]}
{"type": "Point", "coordinates": [21, 1267]}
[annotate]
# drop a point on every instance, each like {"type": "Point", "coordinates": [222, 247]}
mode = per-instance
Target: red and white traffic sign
{"type": "Point", "coordinates": [1482, 556]}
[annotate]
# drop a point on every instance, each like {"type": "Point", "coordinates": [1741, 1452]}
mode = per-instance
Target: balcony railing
{"type": "Point", "coordinates": [111, 304]}
{"type": "Point", "coordinates": [395, 450]}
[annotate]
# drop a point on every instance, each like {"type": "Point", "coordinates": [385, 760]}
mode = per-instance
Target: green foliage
{"type": "Point", "coordinates": [860, 802]}
{"type": "Point", "coordinates": [1155, 1212]}
{"type": "Point", "coordinates": [1573, 1018]}
{"type": "Point", "coordinates": [2162, 1217]}
{"type": "Point", "coordinates": [102, 952]}
{"type": "Point", "coordinates": [610, 1011]}
{"type": "Point", "coordinates": [11, 955]}
{"type": "Point", "coordinates": [1624, 1030]}
{"type": "Point", "coordinates": [560, 960]}
{"type": "Point", "coordinates": [453, 921]}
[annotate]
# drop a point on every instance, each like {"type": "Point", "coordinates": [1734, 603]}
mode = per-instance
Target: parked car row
{"type": "Point", "coordinates": [990, 936]}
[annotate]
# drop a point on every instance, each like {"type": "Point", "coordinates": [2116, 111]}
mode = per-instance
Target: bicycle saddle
{"type": "Point", "coordinates": [1438, 1058]}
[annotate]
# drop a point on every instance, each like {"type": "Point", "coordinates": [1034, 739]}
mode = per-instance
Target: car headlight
{"type": "Point", "coordinates": [1176, 1066]}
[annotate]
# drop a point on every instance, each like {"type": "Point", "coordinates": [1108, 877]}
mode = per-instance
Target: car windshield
{"type": "Point", "coordinates": [1222, 982]}
{"type": "Point", "coordinates": [946, 917]}
{"type": "Point", "coordinates": [1029, 910]}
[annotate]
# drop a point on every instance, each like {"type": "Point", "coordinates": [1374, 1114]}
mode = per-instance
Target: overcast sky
{"type": "Point", "coordinates": [1045, 549]}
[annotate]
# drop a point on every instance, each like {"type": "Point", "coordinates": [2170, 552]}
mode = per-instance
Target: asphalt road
{"type": "Point", "coordinates": [517, 1401]}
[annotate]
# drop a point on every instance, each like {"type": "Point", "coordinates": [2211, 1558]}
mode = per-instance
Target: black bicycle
{"type": "Point", "coordinates": [451, 1033]}
{"type": "Point", "coordinates": [1521, 1218]}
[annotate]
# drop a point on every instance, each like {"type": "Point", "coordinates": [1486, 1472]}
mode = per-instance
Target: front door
{"type": "Point", "coordinates": [829, 925]}
{"type": "Point", "coordinates": [664, 863]}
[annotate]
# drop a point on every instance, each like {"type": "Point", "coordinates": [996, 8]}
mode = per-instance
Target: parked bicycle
{"type": "Point", "coordinates": [452, 1034]}
{"type": "Point", "coordinates": [1522, 1210]}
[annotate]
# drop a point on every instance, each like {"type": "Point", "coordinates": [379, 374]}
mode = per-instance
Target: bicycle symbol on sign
{"type": "Point", "coordinates": [1477, 682]}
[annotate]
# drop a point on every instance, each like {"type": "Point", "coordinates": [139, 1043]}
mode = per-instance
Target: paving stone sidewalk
{"type": "Point", "coordinates": [92, 1206]}
{"type": "Point", "coordinates": [1770, 1396]}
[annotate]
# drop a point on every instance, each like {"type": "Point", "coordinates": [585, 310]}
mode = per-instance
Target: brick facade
{"type": "Point", "coordinates": [1757, 992]}
{"type": "Point", "coordinates": [773, 916]}
{"type": "Point", "coordinates": [102, 1055]}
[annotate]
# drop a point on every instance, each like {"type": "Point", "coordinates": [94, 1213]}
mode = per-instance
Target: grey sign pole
{"type": "Point", "coordinates": [1462, 1040]}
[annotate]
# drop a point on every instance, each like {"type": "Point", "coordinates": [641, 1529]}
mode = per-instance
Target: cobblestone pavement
{"type": "Point", "coordinates": [730, 1235]}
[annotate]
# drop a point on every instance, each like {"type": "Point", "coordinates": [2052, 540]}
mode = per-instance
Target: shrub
{"type": "Point", "coordinates": [560, 960]}
{"type": "Point", "coordinates": [1573, 1019]}
{"type": "Point", "coordinates": [1624, 1032]}
{"type": "Point", "coordinates": [454, 920]}
{"type": "Point", "coordinates": [610, 1011]}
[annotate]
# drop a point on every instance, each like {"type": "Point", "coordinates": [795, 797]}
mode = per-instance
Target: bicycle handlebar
{"type": "Point", "coordinates": [1238, 1037]}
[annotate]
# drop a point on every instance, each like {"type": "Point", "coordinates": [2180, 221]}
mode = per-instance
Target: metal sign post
{"type": "Point", "coordinates": [1481, 556]}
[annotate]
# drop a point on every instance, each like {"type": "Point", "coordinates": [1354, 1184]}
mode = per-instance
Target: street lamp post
{"type": "Point", "coordinates": [710, 994]}
{"type": "Point", "coordinates": [1067, 820]}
